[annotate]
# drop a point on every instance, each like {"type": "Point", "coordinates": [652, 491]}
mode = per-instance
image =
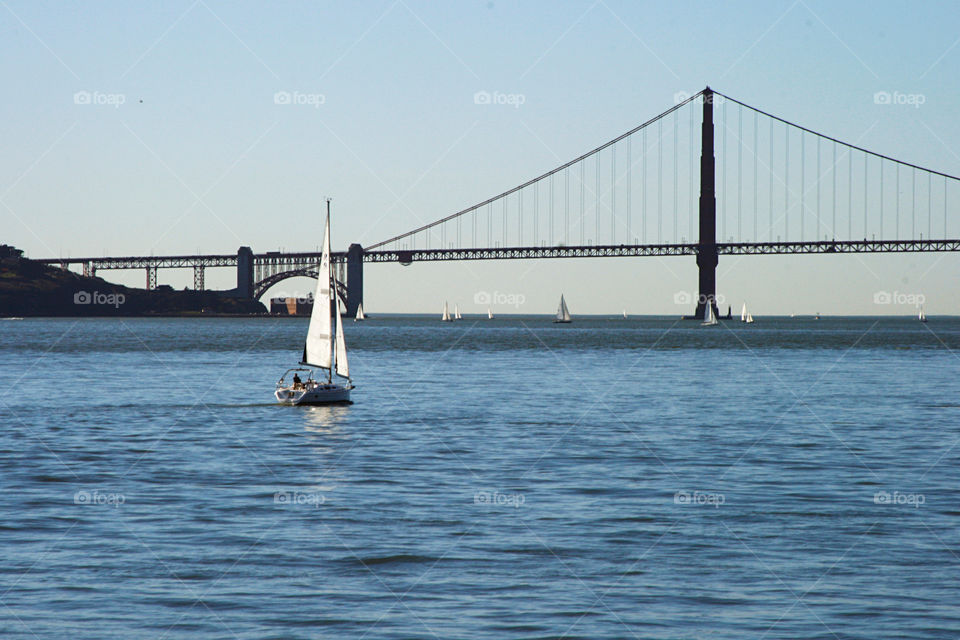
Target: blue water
{"type": "Point", "coordinates": [646, 478]}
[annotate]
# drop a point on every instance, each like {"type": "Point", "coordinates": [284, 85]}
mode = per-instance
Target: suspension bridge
{"type": "Point", "coordinates": [763, 185]}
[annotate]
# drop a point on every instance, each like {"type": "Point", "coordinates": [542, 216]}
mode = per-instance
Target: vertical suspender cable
{"type": "Point", "coordinates": [756, 162]}
{"type": "Point", "coordinates": [629, 190]}
{"type": "Point", "coordinates": [786, 181]}
{"type": "Point", "coordinates": [723, 172]}
{"type": "Point", "coordinates": [596, 211]}
{"type": "Point", "coordinates": [643, 207]}
{"type": "Point", "coordinates": [816, 211]}
{"type": "Point", "coordinates": [660, 180]}
{"type": "Point", "coordinates": [849, 194]}
{"type": "Point", "coordinates": [770, 193]}
{"type": "Point", "coordinates": [550, 238]}
{"type": "Point", "coordinates": [566, 206]}
{"type": "Point", "coordinates": [582, 185]}
{"type": "Point", "coordinates": [833, 229]}
{"type": "Point", "coordinates": [803, 178]}
{"type": "Point", "coordinates": [676, 118]}
{"type": "Point", "coordinates": [613, 194]}
{"type": "Point", "coordinates": [739, 171]}
{"type": "Point", "coordinates": [865, 166]}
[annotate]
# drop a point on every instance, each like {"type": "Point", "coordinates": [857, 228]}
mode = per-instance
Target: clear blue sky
{"type": "Point", "coordinates": [209, 161]}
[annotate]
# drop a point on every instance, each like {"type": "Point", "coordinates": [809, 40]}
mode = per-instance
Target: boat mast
{"type": "Point", "coordinates": [333, 283]}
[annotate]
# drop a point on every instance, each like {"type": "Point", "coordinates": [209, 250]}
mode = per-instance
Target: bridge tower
{"type": "Point", "coordinates": [707, 245]}
{"type": "Point", "coordinates": [245, 272]}
{"type": "Point", "coordinates": [354, 279]}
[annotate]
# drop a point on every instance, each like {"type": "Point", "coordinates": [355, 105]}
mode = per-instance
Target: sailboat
{"type": "Point", "coordinates": [456, 312]}
{"type": "Point", "coordinates": [359, 317]}
{"type": "Point", "coordinates": [563, 314]}
{"type": "Point", "coordinates": [324, 349]}
{"type": "Point", "coordinates": [624, 314]}
{"type": "Point", "coordinates": [922, 317]}
{"type": "Point", "coordinates": [489, 314]}
{"type": "Point", "coordinates": [709, 318]}
{"type": "Point", "coordinates": [743, 313]}
{"type": "Point", "coordinates": [446, 313]}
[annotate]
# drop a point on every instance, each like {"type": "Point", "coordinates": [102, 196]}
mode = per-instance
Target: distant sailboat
{"type": "Point", "coordinates": [709, 318]}
{"type": "Point", "coordinates": [922, 317]}
{"type": "Point", "coordinates": [743, 313]}
{"type": "Point", "coordinates": [359, 317]}
{"type": "Point", "coordinates": [563, 314]}
{"type": "Point", "coordinates": [624, 314]}
{"type": "Point", "coordinates": [324, 348]}
{"type": "Point", "coordinates": [446, 314]}
{"type": "Point", "coordinates": [749, 319]}
{"type": "Point", "coordinates": [456, 312]}
{"type": "Point", "coordinates": [489, 314]}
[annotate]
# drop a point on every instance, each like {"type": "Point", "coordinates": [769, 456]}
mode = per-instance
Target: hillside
{"type": "Point", "coordinates": [28, 288]}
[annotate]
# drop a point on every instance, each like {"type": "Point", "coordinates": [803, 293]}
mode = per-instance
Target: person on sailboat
{"type": "Point", "coordinates": [297, 382]}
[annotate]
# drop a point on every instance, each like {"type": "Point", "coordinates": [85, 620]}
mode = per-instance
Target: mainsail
{"type": "Point", "coordinates": [317, 350]}
{"type": "Point", "coordinates": [343, 367]}
{"type": "Point", "coordinates": [563, 314]}
{"type": "Point", "coordinates": [446, 313]}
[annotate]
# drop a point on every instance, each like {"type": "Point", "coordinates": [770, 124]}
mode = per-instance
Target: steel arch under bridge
{"type": "Point", "coordinates": [261, 287]}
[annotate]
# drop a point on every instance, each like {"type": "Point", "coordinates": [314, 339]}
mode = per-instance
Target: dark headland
{"type": "Point", "coordinates": [29, 288]}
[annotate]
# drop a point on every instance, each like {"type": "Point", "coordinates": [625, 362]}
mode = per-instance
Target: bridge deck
{"type": "Point", "coordinates": [522, 253]}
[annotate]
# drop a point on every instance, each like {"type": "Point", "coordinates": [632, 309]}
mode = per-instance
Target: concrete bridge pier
{"type": "Point", "coordinates": [354, 279]}
{"type": "Point", "coordinates": [245, 272]}
{"type": "Point", "coordinates": [707, 257]}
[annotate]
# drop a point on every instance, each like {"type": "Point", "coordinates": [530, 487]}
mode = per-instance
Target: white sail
{"type": "Point", "coordinates": [360, 315]}
{"type": "Point", "coordinates": [446, 313]}
{"type": "Point", "coordinates": [743, 313]}
{"type": "Point", "coordinates": [749, 319]}
{"type": "Point", "coordinates": [624, 314]}
{"type": "Point", "coordinates": [709, 317]}
{"type": "Point", "coordinates": [489, 314]}
{"type": "Point", "coordinates": [317, 351]}
{"type": "Point", "coordinates": [343, 367]}
{"type": "Point", "coordinates": [456, 312]}
{"type": "Point", "coordinates": [563, 314]}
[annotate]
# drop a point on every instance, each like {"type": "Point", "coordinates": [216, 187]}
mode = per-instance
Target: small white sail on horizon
{"type": "Point", "coordinates": [359, 317]}
{"type": "Point", "coordinates": [489, 314]}
{"type": "Point", "coordinates": [446, 313]}
{"type": "Point", "coordinates": [709, 317]}
{"type": "Point", "coordinates": [743, 313]}
{"type": "Point", "coordinates": [563, 313]}
{"type": "Point", "coordinates": [922, 317]}
{"type": "Point", "coordinates": [624, 314]}
{"type": "Point", "coordinates": [749, 319]}
{"type": "Point", "coordinates": [456, 312]}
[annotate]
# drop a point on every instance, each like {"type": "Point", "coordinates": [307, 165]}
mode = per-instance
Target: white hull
{"type": "Point", "coordinates": [321, 394]}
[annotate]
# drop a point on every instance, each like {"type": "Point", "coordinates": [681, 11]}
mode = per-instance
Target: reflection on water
{"type": "Point", "coordinates": [324, 419]}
